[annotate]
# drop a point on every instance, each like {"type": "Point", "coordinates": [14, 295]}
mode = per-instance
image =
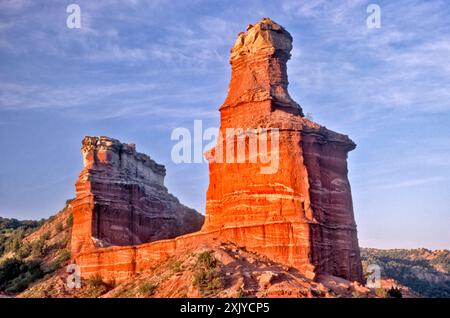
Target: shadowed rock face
{"type": "Point", "coordinates": [302, 213]}
{"type": "Point", "coordinates": [299, 214]}
{"type": "Point", "coordinates": [121, 199]}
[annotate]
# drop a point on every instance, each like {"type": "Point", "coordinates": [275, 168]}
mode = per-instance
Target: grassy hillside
{"type": "Point", "coordinates": [30, 250]}
{"type": "Point", "coordinates": [425, 272]}
{"type": "Point", "coordinates": [13, 231]}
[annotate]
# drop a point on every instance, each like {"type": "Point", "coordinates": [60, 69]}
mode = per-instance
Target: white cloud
{"type": "Point", "coordinates": [402, 67]}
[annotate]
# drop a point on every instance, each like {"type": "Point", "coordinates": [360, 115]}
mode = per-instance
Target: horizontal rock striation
{"type": "Point", "coordinates": [121, 199]}
{"type": "Point", "coordinates": [301, 214]}
{"type": "Point", "coordinates": [295, 208]}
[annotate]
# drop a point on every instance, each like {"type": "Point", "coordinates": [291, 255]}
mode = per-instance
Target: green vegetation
{"type": "Point", "coordinates": [207, 276]}
{"type": "Point", "coordinates": [148, 289]}
{"type": "Point", "coordinates": [16, 275]}
{"type": "Point", "coordinates": [59, 227]}
{"type": "Point", "coordinates": [69, 221]}
{"type": "Point", "coordinates": [13, 231]}
{"type": "Point", "coordinates": [61, 259]}
{"type": "Point", "coordinates": [423, 271]}
{"type": "Point", "coordinates": [23, 262]}
{"type": "Point", "coordinates": [98, 287]}
{"type": "Point", "coordinates": [176, 266]}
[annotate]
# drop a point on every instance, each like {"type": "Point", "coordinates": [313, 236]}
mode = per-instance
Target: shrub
{"type": "Point", "coordinates": [96, 286]}
{"type": "Point", "coordinates": [16, 275]}
{"type": "Point", "coordinates": [176, 266]}
{"type": "Point", "coordinates": [10, 269]}
{"type": "Point", "coordinates": [38, 248]}
{"type": "Point", "coordinates": [206, 260]}
{"type": "Point", "coordinates": [63, 256]}
{"type": "Point", "coordinates": [95, 281]}
{"type": "Point", "coordinates": [24, 251]}
{"type": "Point", "coordinates": [59, 227]}
{"type": "Point", "coordinates": [46, 236]}
{"type": "Point", "coordinates": [148, 289]}
{"type": "Point", "coordinates": [395, 292]}
{"type": "Point", "coordinates": [208, 281]}
{"type": "Point", "coordinates": [69, 221]}
{"type": "Point", "coordinates": [207, 276]}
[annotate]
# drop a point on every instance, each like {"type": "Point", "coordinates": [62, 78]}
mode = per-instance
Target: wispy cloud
{"type": "Point", "coordinates": [109, 101]}
{"type": "Point", "coordinates": [401, 67]}
{"type": "Point", "coordinates": [412, 183]}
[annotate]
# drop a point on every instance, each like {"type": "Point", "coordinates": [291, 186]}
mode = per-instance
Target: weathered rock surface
{"type": "Point", "coordinates": [242, 274]}
{"type": "Point", "coordinates": [301, 214]}
{"type": "Point", "coordinates": [121, 199]}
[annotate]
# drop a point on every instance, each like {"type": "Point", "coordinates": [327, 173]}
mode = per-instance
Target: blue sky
{"type": "Point", "coordinates": [138, 69]}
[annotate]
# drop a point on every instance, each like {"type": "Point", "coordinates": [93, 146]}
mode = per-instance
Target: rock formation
{"type": "Point", "coordinates": [121, 199]}
{"type": "Point", "coordinates": [299, 212]}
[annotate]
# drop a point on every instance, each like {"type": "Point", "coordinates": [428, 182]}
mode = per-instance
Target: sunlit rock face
{"type": "Point", "coordinates": [121, 199]}
{"type": "Point", "coordinates": [300, 212]}
{"type": "Point", "coordinates": [295, 208]}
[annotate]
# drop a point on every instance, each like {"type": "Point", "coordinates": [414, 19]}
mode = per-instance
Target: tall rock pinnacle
{"type": "Point", "coordinates": [302, 213]}
{"type": "Point", "coordinates": [258, 61]}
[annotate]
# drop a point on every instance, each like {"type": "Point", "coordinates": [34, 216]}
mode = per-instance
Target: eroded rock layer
{"type": "Point", "coordinates": [300, 210]}
{"type": "Point", "coordinates": [295, 208]}
{"type": "Point", "coordinates": [121, 199]}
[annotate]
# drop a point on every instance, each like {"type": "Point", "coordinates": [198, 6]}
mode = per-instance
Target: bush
{"type": "Point", "coordinates": [46, 236]}
{"type": "Point", "coordinates": [207, 276]}
{"type": "Point", "coordinates": [97, 287]}
{"type": "Point", "coordinates": [208, 281]}
{"type": "Point", "coordinates": [38, 248]}
{"type": "Point", "coordinates": [69, 221]}
{"type": "Point", "coordinates": [395, 292]}
{"type": "Point", "coordinates": [16, 275]}
{"type": "Point", "coordinates": [206, 260]}
{"type": "Point", "coordinates": [59, 228]}
{"type": "Point", "coordinates": [10, 269]}
{"type": "Point", "coordinates": [63, 256]}
{"type": "Point", "coordinates": [24, 251]}
{"type": "Point", "coordinates": [95, 281]}
{"type": "Point", "coordinates": [176, 266]}
{"type": "Point", "coordinates": [148, 289]}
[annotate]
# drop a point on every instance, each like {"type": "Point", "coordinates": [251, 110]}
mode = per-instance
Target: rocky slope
{"type": "Point", "coordinates": [216, 270]}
